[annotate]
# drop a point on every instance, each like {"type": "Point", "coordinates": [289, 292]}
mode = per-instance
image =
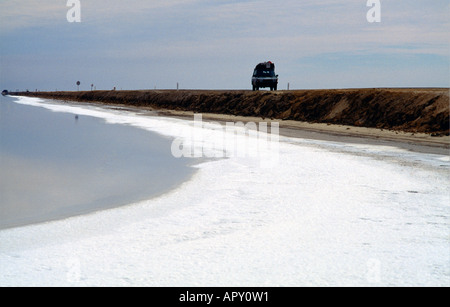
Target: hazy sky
{"type": "Point", "coordinates": [215, 44]}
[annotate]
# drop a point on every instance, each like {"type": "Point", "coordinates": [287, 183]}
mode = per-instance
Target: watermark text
{"type": "Point", "coordinates": [74, 13]}
{"type": "Point", "coordinates": [234, 139]}
{"type": "Point", "coordinates": [374, 13]}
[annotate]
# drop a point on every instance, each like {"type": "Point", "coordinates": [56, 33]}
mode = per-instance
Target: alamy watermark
{"type": "Point", "coordinates": [74, 13]}
{"type": "Point", "coordinates": [374, 13]}
{"type": "Point", "coordinates": [234, 139]}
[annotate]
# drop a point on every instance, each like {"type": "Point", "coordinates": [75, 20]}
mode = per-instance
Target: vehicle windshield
{"type": "Point", "coordinates": [264, 73]}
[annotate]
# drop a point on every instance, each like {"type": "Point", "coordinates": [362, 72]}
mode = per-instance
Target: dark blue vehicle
{"type": "Point", "coordinates": [264, 76]}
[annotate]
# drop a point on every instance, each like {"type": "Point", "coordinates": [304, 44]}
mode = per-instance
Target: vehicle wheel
{"type": "Point", "coordinates": [275, 88]}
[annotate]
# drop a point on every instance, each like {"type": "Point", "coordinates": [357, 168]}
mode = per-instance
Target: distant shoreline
{"type": "Point", "coordinates": [418, 118]}
{"type": "Point", "coordinates": [417, 142]}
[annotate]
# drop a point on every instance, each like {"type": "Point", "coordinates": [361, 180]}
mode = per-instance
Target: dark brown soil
{"type": "Point", "coordinates": [423, 110]}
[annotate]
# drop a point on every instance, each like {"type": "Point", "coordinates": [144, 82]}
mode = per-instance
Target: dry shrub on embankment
{"type": "Point", "coordinates": [410, 110]}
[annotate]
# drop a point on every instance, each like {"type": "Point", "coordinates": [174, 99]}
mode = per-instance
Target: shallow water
{"type": "Point", "coordinates": [54, 165]}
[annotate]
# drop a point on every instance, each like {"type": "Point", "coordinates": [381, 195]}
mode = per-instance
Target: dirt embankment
{"type": "Point", "coordinates": [410, 110]}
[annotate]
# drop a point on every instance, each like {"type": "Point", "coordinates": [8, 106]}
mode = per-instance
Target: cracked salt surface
{"type": "Point", "coordinates": [328, 214]}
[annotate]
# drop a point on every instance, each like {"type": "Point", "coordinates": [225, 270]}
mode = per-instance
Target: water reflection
{"type": "Point", "coordinates": [54, 165]}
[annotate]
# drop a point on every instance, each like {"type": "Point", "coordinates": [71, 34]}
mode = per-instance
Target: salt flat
{"type": "Point", "coordinates": [327, 214]}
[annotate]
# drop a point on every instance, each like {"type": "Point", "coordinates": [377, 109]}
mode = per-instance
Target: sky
{"type": "Point", "coordinates": [215, 44]}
